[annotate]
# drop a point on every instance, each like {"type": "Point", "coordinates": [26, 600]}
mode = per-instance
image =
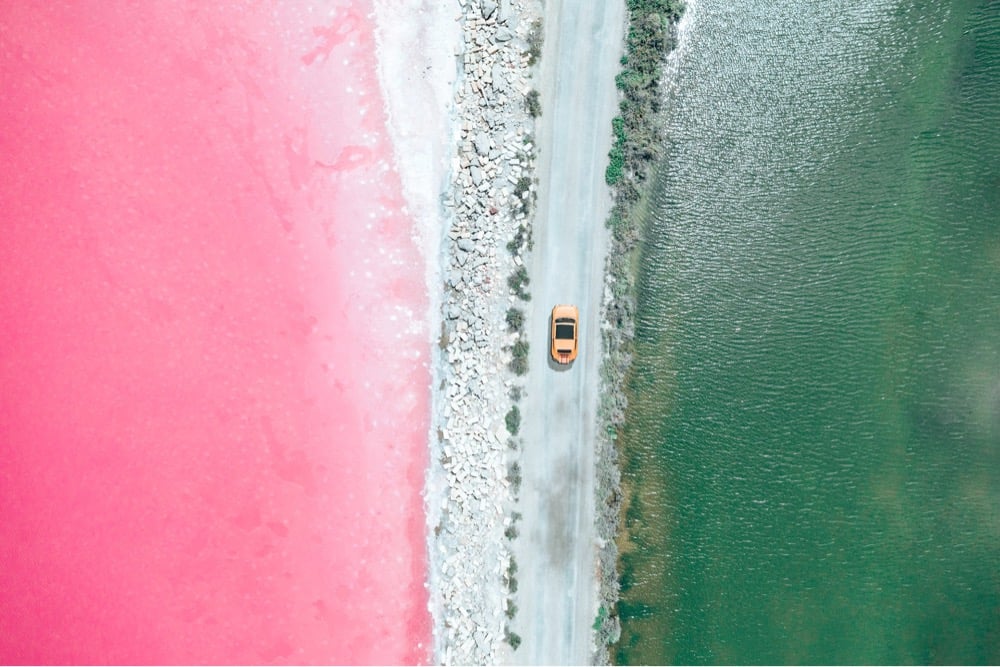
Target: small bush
{"type": "Point", "coordinates": [514, 475]}
{"type": "Point", "coordinates": [602, 614]}
{"type": "Point", "coordinates": [616, 164]}
{"type": "Point", "coordinates": [618, 126]}
{"type": "Point", "coordinates": [533, 103]}
{"type": "Point", "coordinates": [515, 319]}
{"type": "Point", "coordinates": [523, 185]}
{"type": "Point", "coordinates": [523, 198]}
{"type": "Point", "coordinates": [519, 358]}
{"type": "Point", "coordinates": [513, 420]}
{"type": "Point", "coordinates": [521, 236]}
{"type": "Point", "coordinates": [513, 639]}
{"type": "Point", "coordinates": [517, 282]}
{"type": "Point", "coordinates": [510, 533]}
{"type": "Point", "coordinates": [535, 36]}
{"type": "Point", "coordinates": [518, 279]}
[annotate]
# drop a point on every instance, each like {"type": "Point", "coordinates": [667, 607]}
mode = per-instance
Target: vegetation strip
{"type": "Point", "coordinates": [631, 162]}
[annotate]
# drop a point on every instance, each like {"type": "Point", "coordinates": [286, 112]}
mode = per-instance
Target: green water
{"type": "Point", "coordinates": [813, 439]}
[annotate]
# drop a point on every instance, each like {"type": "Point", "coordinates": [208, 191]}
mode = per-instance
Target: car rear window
{"type": "Point", "coordinates": [564, 331]}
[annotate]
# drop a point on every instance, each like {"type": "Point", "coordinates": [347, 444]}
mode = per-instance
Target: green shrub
{"type": "Point", "coordinates": [522, 236]}
{"type": "Point", "coordinates": [519, 357]}
{"type": "Point", "coordinates": [523, 185]}
{"type": "Point", "coordinates": [616, 157]}
{"type": "Point", "coordinates": [514, 475]}
{"type": "Point", "coordinates": [513, 420]}
{"type": "Point", "coordinates": [616, 164]}
{"type": "Point", "coordinates": [517, 282]}
{"type": "Point", "coordinates": [535, 38]}
{"type": "Point", "coordinates": [618, 125]}
{"type": "Point", "coordinates": [515, 319]}
{"type": "Point", "coordinates": [523, 197]}
{"type": "Point", "coordinates": [602, 614]}
{"type": "Point", "coordinates": [533, 104]}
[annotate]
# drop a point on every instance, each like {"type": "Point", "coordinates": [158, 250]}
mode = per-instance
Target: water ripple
{"type": "Point", "coordinates": [815, 411]}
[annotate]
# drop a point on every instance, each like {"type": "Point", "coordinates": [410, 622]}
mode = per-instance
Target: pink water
{"type": "Point", "coordinates": [213, 381]}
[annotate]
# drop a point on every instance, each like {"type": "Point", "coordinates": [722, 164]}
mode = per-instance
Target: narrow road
{"type": "Point", "coordinates": [555, 550]}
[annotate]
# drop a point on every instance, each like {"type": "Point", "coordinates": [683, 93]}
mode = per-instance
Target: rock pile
{"type": "Point", "coordinates": [469, 553]}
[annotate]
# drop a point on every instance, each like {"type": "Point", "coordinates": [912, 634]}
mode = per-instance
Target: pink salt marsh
{"type": "Point", "coordinates": [213, 359]}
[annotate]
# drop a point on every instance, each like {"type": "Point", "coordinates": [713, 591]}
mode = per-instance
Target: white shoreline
{"type": "Point", "coordinates": [455, 78]}
{"type": "Point", "coordinates": [418, 75]}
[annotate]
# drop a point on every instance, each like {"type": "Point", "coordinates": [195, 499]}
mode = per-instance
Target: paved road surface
{"type": "Point", "coordinates": [555, 551]}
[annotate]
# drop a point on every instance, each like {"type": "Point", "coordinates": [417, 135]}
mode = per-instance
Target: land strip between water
{"type": "Point", "coordinates": [520, 571]}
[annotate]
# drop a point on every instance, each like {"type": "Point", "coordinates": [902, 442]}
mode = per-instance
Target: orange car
{"type": "Point", "coordinates": [565, 322]}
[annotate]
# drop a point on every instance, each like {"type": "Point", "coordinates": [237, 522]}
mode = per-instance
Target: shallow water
{"type": "Point", "coordinates": [213, 380]}
{"type": "Point", "coordinates": [813, 441]}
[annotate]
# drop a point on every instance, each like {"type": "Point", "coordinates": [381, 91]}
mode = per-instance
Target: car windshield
{"type": "Point", "coordinates": [564, 331]}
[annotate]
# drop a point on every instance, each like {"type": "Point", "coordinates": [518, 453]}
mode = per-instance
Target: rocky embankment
{"type": "Point", "coordinates": [469, 493]}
